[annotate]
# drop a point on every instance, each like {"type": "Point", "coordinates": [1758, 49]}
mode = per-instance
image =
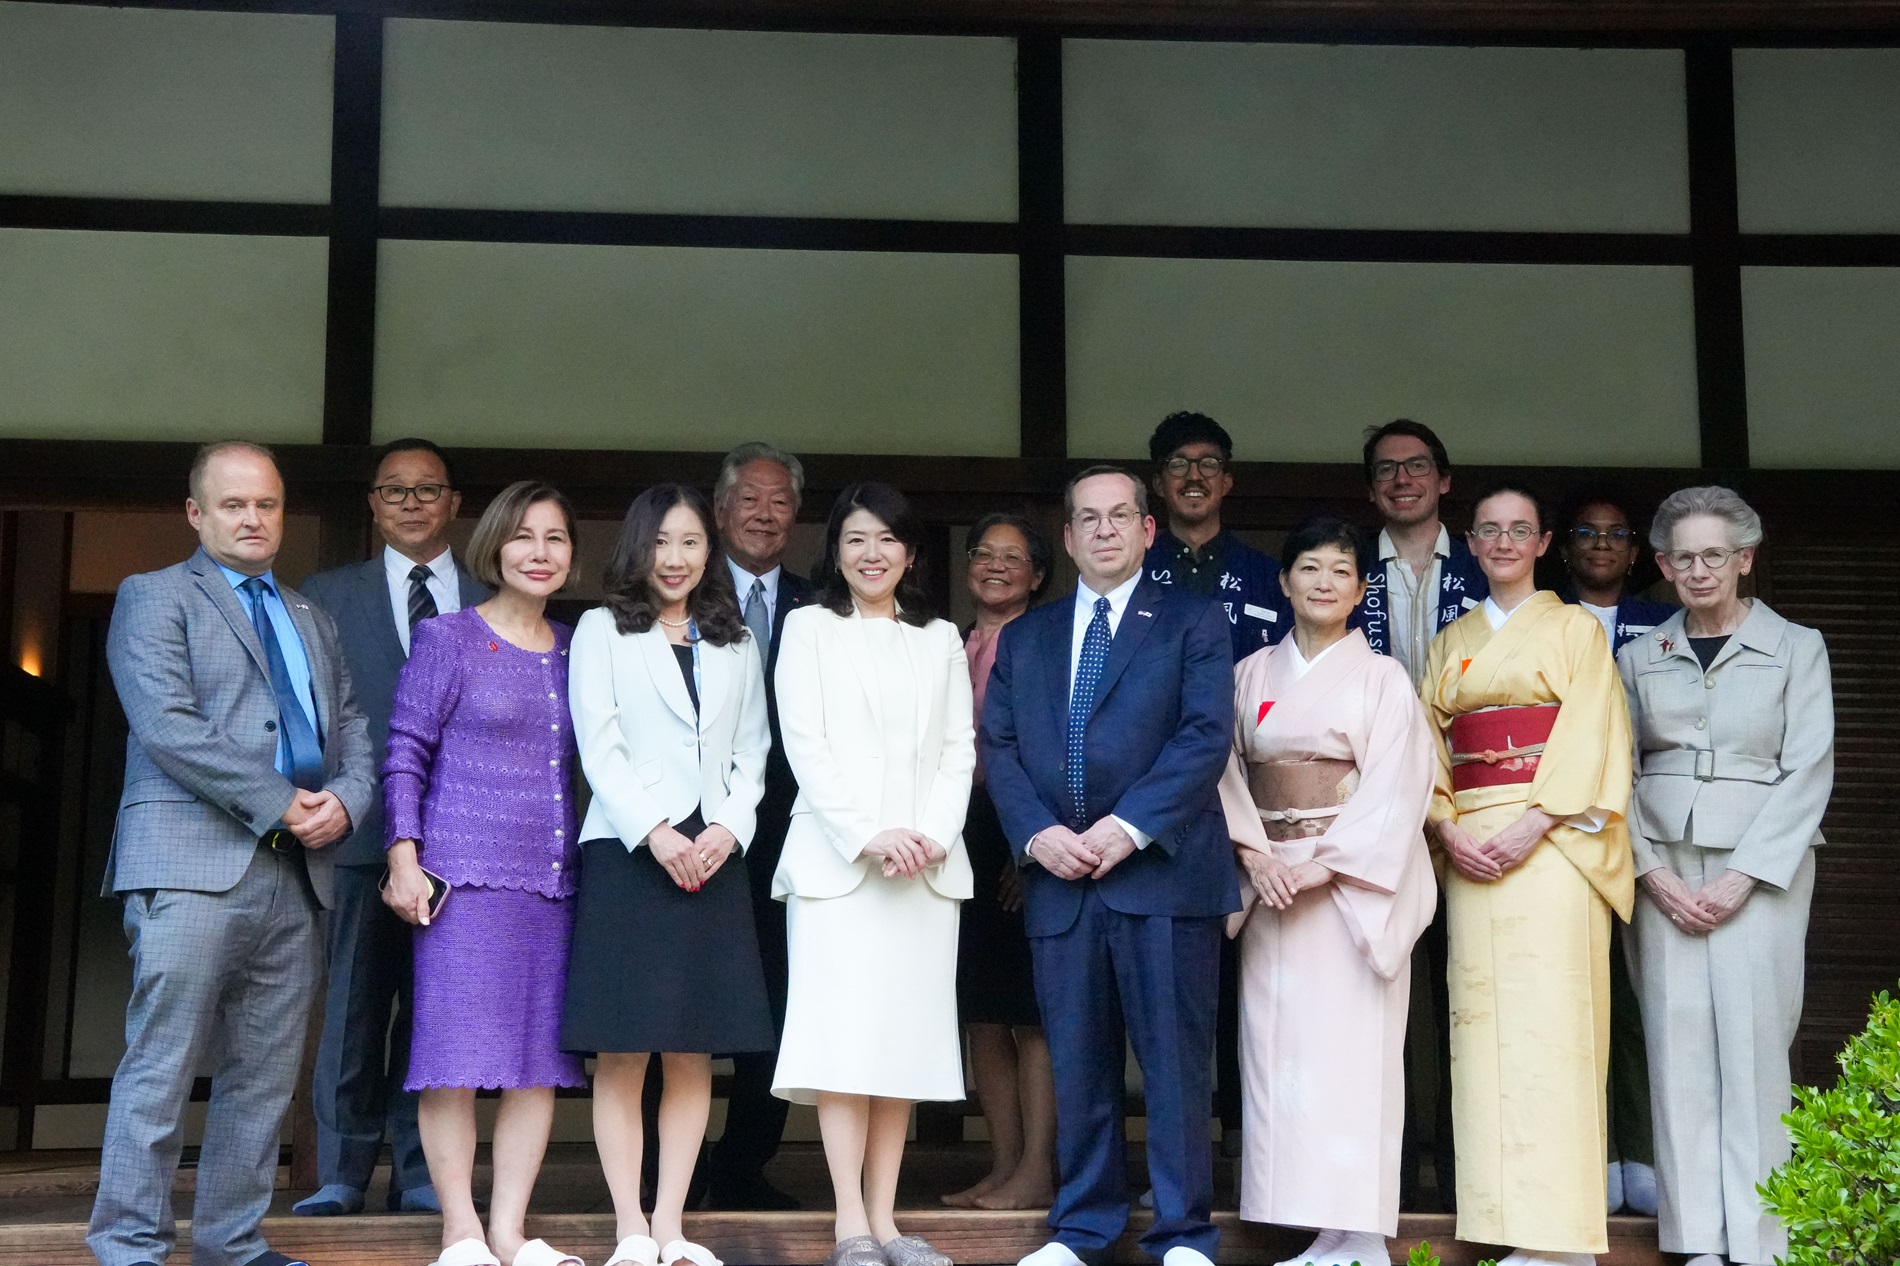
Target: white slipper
{"type": "Point", "coordinates": [468, 1252]}
{"type": "Point", "coordinates": [636, 1250]}
{"type": "Point", "coordinates": [541, 1253]}
{"type": "Point", "coordinates": [686, 1250]}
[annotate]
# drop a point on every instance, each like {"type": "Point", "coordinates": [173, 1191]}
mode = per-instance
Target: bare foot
{"type": "Point", "coordinates": [1020, 1192]}
{"type": "Point", "coordinates": [969, 1196]}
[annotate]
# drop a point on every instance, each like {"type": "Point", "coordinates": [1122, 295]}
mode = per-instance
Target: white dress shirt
{"type": "Point", "coordinates": [1593, 819]}
{"type": "Point", "coordinates": [1413, 601]}
{"type": "Point", "coordinates": [442, 586]}
{"type": "Point", "coordinates": [742, 581]}
{"type": "Point", "coordinates": [1118, 599]}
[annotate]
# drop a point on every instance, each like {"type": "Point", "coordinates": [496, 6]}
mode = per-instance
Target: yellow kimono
{"type": "Point", "coordinates": [1529, 971]}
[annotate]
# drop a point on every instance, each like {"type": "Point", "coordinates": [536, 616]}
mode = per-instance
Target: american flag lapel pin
{"type": "Point", "coordinates": [1146, 614]}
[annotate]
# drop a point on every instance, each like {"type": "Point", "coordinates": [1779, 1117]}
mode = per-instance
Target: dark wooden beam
{"type": "Point", "coordinates": [1042, 304]}
{"type": "Point", "coordinates": [1394, 246]}
{"type": "Point", "coordinates": [355, 178]}
{"type": "Point", "coordinates": [1715, 235]}
{"type": "Point", "coordinates": [164, 215]}
{"type": "Point", "coordinates": [771, 232]}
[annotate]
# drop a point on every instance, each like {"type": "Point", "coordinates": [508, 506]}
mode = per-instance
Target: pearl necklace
{"type": "Point", "coordinates": [674, 624]}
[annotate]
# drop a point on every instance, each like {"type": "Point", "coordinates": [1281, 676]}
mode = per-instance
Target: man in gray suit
{"type": "Point", "coordinates": [247, 758]}
{"type": "Point", "coordinates": [363, 1056]}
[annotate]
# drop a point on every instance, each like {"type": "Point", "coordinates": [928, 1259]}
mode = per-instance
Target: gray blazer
{"type": "Point", "coordinates": [356, 596]}
{"type": "Point", "coordinates": [201, 781]}
{"type": "Point", "coordinates": [1740, 757]}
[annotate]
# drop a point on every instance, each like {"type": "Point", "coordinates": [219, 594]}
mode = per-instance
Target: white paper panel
{"type": "Point", "coordinates": [1817, 139]}
{"type": "Point", "coordinates": [647, 347]}
{"type": "Point", "coordinates": [1550, 365]}
{"type": "Point", "coordinates": [146, 336]}
{"type": "Point", "coordinates": [578, 118]}
{"type": "Point", "coordinates": [1823, 373]}
{"type": "Point", "coordinates": [1304, 135]}
{"type": "Point", "coordinates": [163, 103]}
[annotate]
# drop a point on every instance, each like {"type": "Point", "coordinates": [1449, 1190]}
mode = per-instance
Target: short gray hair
{"type": "Point", "coordinates": [1744, 525]}
{"type": "Point", "coordinates": [757, 451]}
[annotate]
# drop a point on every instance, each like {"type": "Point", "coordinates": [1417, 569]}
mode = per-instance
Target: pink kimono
{"type": "Point", "coordinates": [1325, 984]}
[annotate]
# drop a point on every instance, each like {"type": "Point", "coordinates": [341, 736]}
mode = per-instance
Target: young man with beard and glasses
{"type": "Point", "coordinates": [1192, 454]}
{"type": "Point", "coordinates": [1425, 579]}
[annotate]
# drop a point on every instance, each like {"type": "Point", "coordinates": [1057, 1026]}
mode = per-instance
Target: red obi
{"type": "Point", "coordinates": [1498, 746]}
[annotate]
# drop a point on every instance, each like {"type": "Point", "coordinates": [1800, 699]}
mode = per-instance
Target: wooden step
{"type": "Point", "coordinates": [971, 1237]}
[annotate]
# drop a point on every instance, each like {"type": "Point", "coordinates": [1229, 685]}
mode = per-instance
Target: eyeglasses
{"type": "Point", "coordinates": [1178, 467]}
{"type": "Point", "coordinates": [396, 494]}
{"type": "Point", "coordinates": [1588, 536]}
{"type": "Point", "coordinates": [983, 556]}
{"type": "Point", "coordinates": [1715, 559]}
{"type": "Point", "coordinates": [1417, 467]}
{"type": "Point", "coordinates": [1121, 519]}
{"type": "Point", "coordinates": [1518, 532]}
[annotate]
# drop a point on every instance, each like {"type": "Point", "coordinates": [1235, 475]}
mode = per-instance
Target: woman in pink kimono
{"type": "Point", "coordinates": [1325, 799]}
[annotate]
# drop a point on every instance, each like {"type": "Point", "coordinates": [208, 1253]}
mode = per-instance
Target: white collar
{"type": "Point", "coordinates": [742, 581]}
{"type": "Point", "coordinates": [1497, 615]}
{"type": "Point", "coordinates": [1389, 551]}
{"type": "Point", "coordinates": [1301, 664]}
{"type": "Point", "coordinates": [399, 565]}
{"type": "Point", "coordinates": [1117, 597]}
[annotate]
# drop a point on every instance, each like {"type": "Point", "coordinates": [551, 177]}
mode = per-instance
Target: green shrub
{"type": "Point", "coordinates": [1423, 1256]}
{"type": "Point", "coordinates": [1839, 1193]}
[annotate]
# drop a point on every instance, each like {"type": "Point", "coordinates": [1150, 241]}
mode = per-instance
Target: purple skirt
{"type": "Point", "coordinates": [491, 975]}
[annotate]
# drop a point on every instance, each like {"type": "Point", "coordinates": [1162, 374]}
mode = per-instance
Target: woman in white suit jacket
{"type": "Point", "coordinates": [1733, 712]}
{"type": "Point", "coordinates": [668, 700]}
{"type": "Point", "coordinates": [874, 706]}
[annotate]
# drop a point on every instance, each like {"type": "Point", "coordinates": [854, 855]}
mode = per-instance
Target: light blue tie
{"type": "Point", "coordinates": [306, 749]}
{"type": "Point", "coordinates": [758, 619]}
{"type": "Point", "coordinates": [1088, 675]}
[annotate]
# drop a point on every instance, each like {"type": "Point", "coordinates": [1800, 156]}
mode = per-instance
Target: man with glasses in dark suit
{"type": "Point", "coordinates": [356, 1089]}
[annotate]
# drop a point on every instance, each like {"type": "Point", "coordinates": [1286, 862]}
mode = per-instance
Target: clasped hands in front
{"type": "Point", "coordinates": [1092, 853]}
{"type": "Point", "coordinates": [1700, 911]}
{"type": "Point", "coordinates": [1486, 862]}
{"type": "Point", "coordinates": [904, 853]}
{"type": "Point", "coordinates": [316, 818]}
{"type": "Point", "coordinates": [1278, 882]}
{"type": "Point", "coordinates": [690, 863]}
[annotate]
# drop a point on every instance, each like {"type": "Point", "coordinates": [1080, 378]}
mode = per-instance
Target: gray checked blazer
{"type": "Point", "coordinates": [1740, 757]}
{"type": "Point", "coordinates": [201, 781]}
{"type": "Point", "coordinates": [356, 596]}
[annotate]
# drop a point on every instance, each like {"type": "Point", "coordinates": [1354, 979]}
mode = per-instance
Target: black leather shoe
{"type": "Point", "coordinates": [271, 1257]}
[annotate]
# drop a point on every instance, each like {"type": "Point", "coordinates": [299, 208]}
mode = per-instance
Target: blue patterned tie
{"type": "Point", "coordinates": [306, 750]}
{"type": "Point", "coordinates": [1088, 675]}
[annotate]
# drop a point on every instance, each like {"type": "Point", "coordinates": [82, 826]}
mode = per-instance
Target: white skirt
{"type": "Point", "coordinates": [872, 1003]}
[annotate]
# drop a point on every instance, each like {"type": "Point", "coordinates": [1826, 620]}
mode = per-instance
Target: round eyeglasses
{"type": "Point", "coordinates": [1588, 536]}
{"type": "Point", "coordinates": [1518, 532]}
{"type": "Point", "coordinates": [1208, 467]}
{"type": "Point", "coordinates": [1714, 558]}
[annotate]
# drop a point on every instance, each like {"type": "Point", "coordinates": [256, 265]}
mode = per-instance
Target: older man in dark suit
{"type": "Point", "coordinates": [362, 1057]}
{"type": "Point", "coordinates": [756, 502]}
{"type": "Point", "coordinates": [1106, 725]}
{"type": "Point", "coordinates": [247, 759]}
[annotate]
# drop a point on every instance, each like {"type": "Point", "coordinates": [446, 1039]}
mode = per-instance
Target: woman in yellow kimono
{"type": "Point", "coordinates": [1528, 812]}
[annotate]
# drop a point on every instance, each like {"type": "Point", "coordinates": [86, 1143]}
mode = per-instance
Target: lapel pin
{"type": "Point", "coordinates": [1147, 614]}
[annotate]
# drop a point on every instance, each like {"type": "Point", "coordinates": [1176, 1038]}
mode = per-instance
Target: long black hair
{"type": "Point", "coordinates": [891, 508]}
{"type": "Point", "coordinates": [713, 604]}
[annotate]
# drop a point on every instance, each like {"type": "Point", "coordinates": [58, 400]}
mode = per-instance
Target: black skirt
{"type": "Point", "coordinates": [995, 984]}
{"type": "Point", "coordinates": [657, 968]}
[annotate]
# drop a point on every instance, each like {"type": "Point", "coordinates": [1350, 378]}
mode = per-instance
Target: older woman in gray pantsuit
{"type": "Point", "coordinates": [1733, 712]}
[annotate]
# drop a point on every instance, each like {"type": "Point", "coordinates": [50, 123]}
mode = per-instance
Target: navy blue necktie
{"type": "Point", "coordinates": [1088, 675]}
{"type": "Point", "coordinates": [306, 749]}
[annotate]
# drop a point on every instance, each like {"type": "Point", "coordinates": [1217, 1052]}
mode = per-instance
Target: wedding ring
{"type": "Point", "coordinates": [702, 857]}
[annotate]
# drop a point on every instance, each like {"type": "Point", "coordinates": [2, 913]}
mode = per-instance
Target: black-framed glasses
{"type": "Point", "coordinates": [1417, 467]}
{"type": "Point", "coordinates": [1588, 536]}
{"type": "Point", "coordinates": [1208, 467]}
{"type": "Point", "coordinates": [1715, 558]}
{"type": "Point", "coordinates": [983, 556]}
{"type": "Point", "coordinates": [396, 494]}
{"type": "Point", "coordinates": [1518, 532]}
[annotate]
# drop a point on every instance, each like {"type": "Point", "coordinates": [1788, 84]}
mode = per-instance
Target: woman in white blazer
{"type": "Point", "coordinates": [874, 707]}
{"type": "Point", "coordinates": [1733, 712]}
{"type": "Point", "coordinates": [668, 699]}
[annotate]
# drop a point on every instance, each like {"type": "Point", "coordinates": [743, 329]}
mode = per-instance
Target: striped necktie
{"type": "Point", "coordinates": [421, 601]}
{"type": "Point", "coordinates": [1088, 675]}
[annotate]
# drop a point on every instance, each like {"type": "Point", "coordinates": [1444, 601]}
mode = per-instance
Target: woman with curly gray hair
{"type": "Point", "coordinates": [1733, 712]}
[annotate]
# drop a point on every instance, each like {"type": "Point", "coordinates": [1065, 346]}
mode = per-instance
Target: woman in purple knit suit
{"type": "Point", "coordinates": [478, 792]}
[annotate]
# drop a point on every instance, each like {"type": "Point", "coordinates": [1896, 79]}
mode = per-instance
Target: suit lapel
{"type": "Point", "coordinates": [314, 653]}
{"type": "Point", "coordinates": [1138, 618]}
{"type": "Point", "coordinates": [715, 673]}
{"type": "Point", "coordinates": [857, 653]}
{"type": "Point", "coordinates": [665, 672]}
{"type": "Point", "coordinates": [473, 592]}
{"type": "Point", "coordinates": [373, 593]}
{"type": "Point", "coordinates": [210, 579]}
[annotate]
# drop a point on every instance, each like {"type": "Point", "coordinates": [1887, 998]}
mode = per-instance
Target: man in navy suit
{"type": "Point", "coordinates": [756, 502]}
{"type": "Point", "coordinates": [1106, 725]}
{"type": "Point", "coordinates": [356, 1090]}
